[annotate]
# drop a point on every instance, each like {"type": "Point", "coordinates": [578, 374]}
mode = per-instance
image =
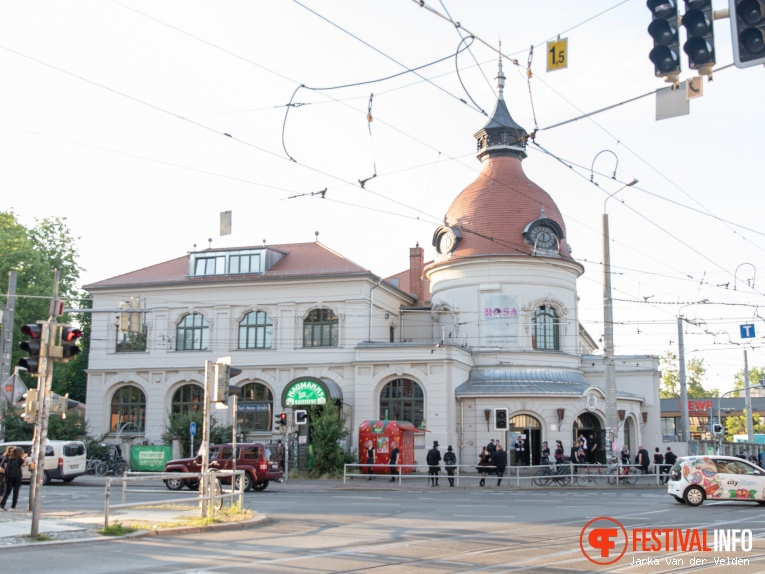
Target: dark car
{"type": "Point", "coordinates": [257, 460]}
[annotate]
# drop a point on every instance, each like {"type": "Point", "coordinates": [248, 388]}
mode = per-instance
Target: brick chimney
{"type": "Point", "coordinates": [416, 264]}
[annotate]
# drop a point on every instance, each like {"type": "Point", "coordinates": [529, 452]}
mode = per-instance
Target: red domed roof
{"type": "Point", "coordinates": [493, 211]}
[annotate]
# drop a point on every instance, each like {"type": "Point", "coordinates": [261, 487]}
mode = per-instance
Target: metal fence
{"type": "Point", "coordinates": [584, 475]}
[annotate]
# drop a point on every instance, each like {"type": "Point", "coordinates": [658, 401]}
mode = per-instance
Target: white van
{"type": "Point", "coordinates": [64, 459]}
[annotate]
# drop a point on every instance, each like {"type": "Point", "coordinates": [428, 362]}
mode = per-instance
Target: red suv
{"type": "Point", "coordinates": [257, 460]}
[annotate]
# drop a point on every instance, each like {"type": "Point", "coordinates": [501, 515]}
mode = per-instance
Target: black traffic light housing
{"type": "Point", "coordinates": [717, 428]}
{"type": "Point", "coordinates": [500, 419]}
{"type": "Point", "coordinates": [747, 21]}
{"type": "Point", "coordinates": [34, 346]}
{"type": "Point", "coordinates": [698, 21]}
{"type": "Point", "coordinates": [69, 339]}
{"type": "Point", "coordinates": [301, 417]}
{"type": "Point", "coordinates": [665, 54]}
{"type": "Point", "coordinates": [281, 419]}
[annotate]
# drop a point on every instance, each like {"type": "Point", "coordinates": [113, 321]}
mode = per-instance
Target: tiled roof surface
{"type": "Point", "coordinates": [300, 259]}
{"type": "Point", "coordinates": [404, 283]}
{"type": "Point", "coordinates": [493, 211]}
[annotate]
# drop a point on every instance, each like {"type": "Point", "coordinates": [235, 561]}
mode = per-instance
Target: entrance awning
{"type": "Point", "coordinates": [520, 381]}
{"type": "Point", "coordinates": [309, 391]}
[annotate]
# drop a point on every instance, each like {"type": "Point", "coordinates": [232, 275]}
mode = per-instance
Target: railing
{"type": "Point", "coordinates": [207, 498]}
{"type": "Point", "coordinates": [519, 476]}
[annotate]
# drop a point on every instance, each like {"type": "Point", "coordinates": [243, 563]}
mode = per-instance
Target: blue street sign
{"type": "Point", "coordinates": [747, 331]}
{"type": "Point", "coordinates": [193, 428]}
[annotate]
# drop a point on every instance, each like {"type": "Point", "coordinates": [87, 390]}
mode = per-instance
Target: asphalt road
{"type": "Point", "coordinates": [322, 527]}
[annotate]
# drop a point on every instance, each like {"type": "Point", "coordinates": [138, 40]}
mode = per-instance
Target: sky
{"type": "Point", "coordinates": [141, 121]}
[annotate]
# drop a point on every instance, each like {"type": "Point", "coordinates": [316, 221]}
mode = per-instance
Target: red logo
{"type": "Point", "coordinates": [603, 540]}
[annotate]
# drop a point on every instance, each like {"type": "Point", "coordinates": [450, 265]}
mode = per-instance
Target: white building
{"type": "Point", "coordinates": [491, 326]}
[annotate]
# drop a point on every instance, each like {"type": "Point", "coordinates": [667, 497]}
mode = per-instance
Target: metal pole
{"type": "Point", "coordinates": [748, 401]}
{"type": "Point", "coordinates": [612, 423]}
{"type": "Point", "coordinates": [205, 446]}
{"type": "Point", "coordinates": [684, 421]}
{"type": "Point", "coordinates": [233, 454]}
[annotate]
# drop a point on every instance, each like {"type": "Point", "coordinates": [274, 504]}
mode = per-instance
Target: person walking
{"type": "Point", "coordinates": [658, 464]}
{"type": "Point", "coordinates": [500, 461]}
{"type": "Point", "coordinates": [371, 456]}
{"type": "Point", "coordinates": [11, 466]}
{"type": "Point", "coordinates": [669, 461]}
{"type": "Point", "coordinates": [394, 452]}
{"type": "Point", "coordinates": [642, 459]}
{"type": "Point", "coordinates": [450, 464]}
{"type": "Point", "coordinates": [434, 463]}
{"type": "Point", "coordinates": [484, 465]}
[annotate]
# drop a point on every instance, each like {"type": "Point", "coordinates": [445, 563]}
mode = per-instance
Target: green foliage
{"type": "Point", "coordinates": [178, 427]}
{"type": "Point", "coordinates": [756, 374]}
{"type": "Point", "coordinates": [34, 253]}
{"type": "Point", "coordinates": [327, 429]}
{"type": "Point", "coordinates": [737, 425]}
{"type": "Point", "coordinates": [695, 372]}
{"type": "Point", "coordinates": [73, 427]}
{"type": "Point", "coordinates": [117, 529]}
{"type": "Point", "coordinates": [72, 377]}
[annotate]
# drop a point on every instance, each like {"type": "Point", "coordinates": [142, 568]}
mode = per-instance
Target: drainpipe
{"type": "Point", "coordinates": [462, 428]}
{"type": "Point", "coordinates": [371, 305]}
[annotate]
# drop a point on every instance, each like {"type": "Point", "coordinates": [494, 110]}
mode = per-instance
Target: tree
{"type": "Point", "coordinates": [327, 429]}
{"type": "Point", "coordinates": [70, 428]}
{"type": "Point", "coordinates": [178, 427]}
{"type": "Point", "coordinates": [72, 377]}
{"type": "Point", "coordinates": [756, 374]}
{"type": "Point", "coordinates": [34, 253]}
{"type": "Point", "coordinates": [737, 425]}
{"type": "Point", "coordinates": [695, 372]}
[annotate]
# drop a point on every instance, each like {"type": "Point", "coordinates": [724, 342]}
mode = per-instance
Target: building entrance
{"type": "Point", "coordinates": [588, 425]}
{"type": "Point", "coordinates": [530, 429]}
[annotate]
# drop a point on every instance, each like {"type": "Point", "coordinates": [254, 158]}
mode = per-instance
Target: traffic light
{"type": "Point", "coordinates": [301, 417]}
{"type": "Point", "coordinates": [223, 374]}
{"type": "Point", "coordinates": [698, 21]}
{"type": "Point", "coordinates": [281, 419]}
{"type": "Point", "coordinates": [130, 322]}
{"type": "Point", "coordinates": [35, 347]}
{"type": "Point", "coordinates": [747, 21]}
{"type": "Point", "coordinates": [69, 339]}
{"type": "Point", "coordinates": [61, 404]}
{"type": "Point", "coordinates": [717, 428]}
{"type": "Point", "coordinates": [665, 54]}
{"type": "Point", "coordinates": [500, 419]}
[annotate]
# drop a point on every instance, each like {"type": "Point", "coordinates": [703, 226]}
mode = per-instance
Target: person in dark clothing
{"type": "Point", "coordinates": [12, 465]}
{"type": "Point", "coordinates": [520, 452]}
{"type": "Point", "coordinates": [559, 452]}
{"type": "Point", "coordinates": [484, 464]}
{"type": "Point", "coordinates": [394, 452]}
{"type": "Point", "coordinates": [592, 449]}
{"type": "Point", "coordinates": [434, 467]}
{"type": "Point", "coordinates": [491, 447]}
{"type": "Point", "coordinates": [669, 461]}
{"type": "Point", "coordinates": [643, 459]}
{"type": "Point", "coordinates": [500, 461]}
{"type": "Point", "coordinates": [545, 454]}
{"type": "Point", "coordinates": [450, 463]}
{"type": "Point", "coordinates": [658, 462]}
{"type": "Point", "coordinates": [371, 456]}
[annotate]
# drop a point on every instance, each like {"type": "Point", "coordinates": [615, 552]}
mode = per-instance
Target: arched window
{"type": "Point", "coordinates": [193, 333]}
{"type": "Point", "coordinates": [402, 400]}
{"type": "Point", "coordinates": [544, 329]}
{"type": "Point", "coordinates": [255, 408]}
{"type": "Point", "coordinates": [188, 399]}
{"type": "Point", "coordinates": [128, 412]}
{"type": "Point", "coordinates": [256, 331]}
{"type": "Point", "coordinates": [320, 329]}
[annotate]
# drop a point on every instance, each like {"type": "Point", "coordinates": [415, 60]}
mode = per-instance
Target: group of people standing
{"type": "Point", "coordinates": [493, 460]}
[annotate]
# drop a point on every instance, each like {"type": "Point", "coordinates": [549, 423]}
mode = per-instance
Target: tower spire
{"type": "Point", "coordinates": [500, 76]}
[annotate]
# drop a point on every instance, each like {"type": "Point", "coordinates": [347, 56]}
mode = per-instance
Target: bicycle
{"type": "Point", "coordinates": [118, 466]}
{"type": "Point", "coordinates": [592, 473]}
{"type": "Point", "coordinates": [619, 473]}
{"type": "Point", "coordinates": [559, 474]}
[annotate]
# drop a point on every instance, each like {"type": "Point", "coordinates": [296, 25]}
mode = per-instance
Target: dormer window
{"type": "Point", "coordinates": [209, 265]}
{"type": "Point", "coordinates": [234, 262]}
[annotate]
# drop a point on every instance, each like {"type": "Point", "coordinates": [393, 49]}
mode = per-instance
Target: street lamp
{"type": "Point", "coordinates": [685, 434]}
{"type": "Point", "coordinates": [612, 422]}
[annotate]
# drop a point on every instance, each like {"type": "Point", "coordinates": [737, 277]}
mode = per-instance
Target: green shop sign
{"type": "Point", "coordinates": [306, 393]}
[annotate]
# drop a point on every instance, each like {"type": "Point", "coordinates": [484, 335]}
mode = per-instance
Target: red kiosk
{"type": "Point", "coordinates": [382, 434]}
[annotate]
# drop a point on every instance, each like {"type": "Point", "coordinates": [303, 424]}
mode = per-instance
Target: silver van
{"type": "Point", "coordinates": [64, 459]}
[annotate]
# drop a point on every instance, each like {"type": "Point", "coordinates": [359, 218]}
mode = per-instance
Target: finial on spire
{"type": "Point", "coordinates": [500, 76]}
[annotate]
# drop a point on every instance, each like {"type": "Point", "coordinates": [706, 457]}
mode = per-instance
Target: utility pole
{"type": "Point", "coordinates": [6, 339]}
{"type": "Point", "coordinates": [41, 431]}
{"type": "Point", "coordinates": [748, 401]}
{"type": "Point", "coordinates": [684, 420]}
{"type": "Point", "coordinates": [205, 446]}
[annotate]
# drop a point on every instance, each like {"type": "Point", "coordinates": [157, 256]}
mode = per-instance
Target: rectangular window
{"type": "Point", "coordinates": [131, 342]}
{"type": "Point", "coordinates": [244, 263]}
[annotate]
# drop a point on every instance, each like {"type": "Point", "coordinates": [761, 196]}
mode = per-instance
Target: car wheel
{"type": "Point", "coordinates": [174, 484]}
{"type": "Point", "coordinates": [247, 482]}
{"type": "Point", "coordinates": [260, 486]}
{"type": "Point", "coordinates": [68, 479]}
{"type": "Point", "coordinates": [694, 496]}
{"type": "Point", "coordinates": [46, 477]}
{"type": "Point", "coordinates": [679, 499]}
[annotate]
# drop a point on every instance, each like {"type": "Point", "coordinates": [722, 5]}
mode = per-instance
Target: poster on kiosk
{"type": "Point", "coordinates": [383, 434]}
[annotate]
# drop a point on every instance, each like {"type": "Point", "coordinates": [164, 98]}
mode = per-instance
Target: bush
{"type": "Point", "coordinates": [178, 427]}
{"type": "Point", "coordinates": [328, 429]}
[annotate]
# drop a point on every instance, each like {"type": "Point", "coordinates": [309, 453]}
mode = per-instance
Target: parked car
{"type": "Point", "coordinates": [64, 459]}
{"type": "Point", "coordinates": [257, 460]}
{"type": "Point", "coordinates": [694, 479]}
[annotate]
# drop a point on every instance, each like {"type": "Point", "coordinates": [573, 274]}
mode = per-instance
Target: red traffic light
{"type": "Point", "coordinates": [70, 335]}
{"type": "Point", "coordinates": [32, 330]}
{"type": "Point", "coordinates": [282, 419]}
